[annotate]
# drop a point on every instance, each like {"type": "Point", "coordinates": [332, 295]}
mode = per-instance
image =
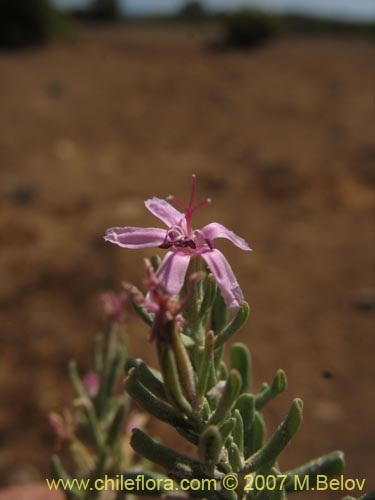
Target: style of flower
{"type": "Point", "coordinates": [183, 243]}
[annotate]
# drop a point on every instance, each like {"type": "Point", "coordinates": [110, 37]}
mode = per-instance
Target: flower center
{"type": "Point", "coordinates": [176, 237]}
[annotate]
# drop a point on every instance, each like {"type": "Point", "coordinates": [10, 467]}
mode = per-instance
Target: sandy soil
{"type": "Point", "coordinates": [281, 138]}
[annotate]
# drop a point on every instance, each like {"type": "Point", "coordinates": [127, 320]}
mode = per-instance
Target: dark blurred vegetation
{"type": "Point", "coordinates": [99, 11]}
{"type": "Point", "coordinates": [250, 28]}
{"type": "Point", "coordinates": [30, 22]}
{"type": "Point", "coordinates": [193, 11]}
{"type": "Point", "coordinates": [247, 27]}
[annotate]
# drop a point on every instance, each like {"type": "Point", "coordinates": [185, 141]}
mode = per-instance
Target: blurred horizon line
{"type": "Point", "coordinates": [360, 10]}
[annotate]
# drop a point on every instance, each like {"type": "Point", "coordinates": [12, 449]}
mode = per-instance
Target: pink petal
{"type": "Point", "coordinates": [225, 278]}
{"type": "Point", "coordinates": [216, 230]}
{"type": "Point", "coordinates": [135, 237]}
{"type": "Point", "coordinates": [172, 271]}
{"type": "Point", "coordinates": [164, 211]}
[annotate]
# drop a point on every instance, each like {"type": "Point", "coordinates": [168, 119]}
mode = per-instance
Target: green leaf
{"type": "Point", "coordinates": [246, 407]}
{"type": "Point", "coordinates": [328, 465]}
{"type": "Point", "coordinates": [210, 445]}
{"type": "Point", "coordinates": [238, 431]}
{"type": "Point", "coordinates": [205, 364]}
{"type": "Point", "coordinates": [237, 322]}
{"type": "Point", "coordinates": [153, 405]}
{"type": "Point", "coordinates": [116, 426]}
{"type": "Point", "coordinates": [163, 455]}
{"type": "Point", "coordinates": [228, 397]}
{"type": "Point", "coordinates": [76, 381]}
{"type": "Point", "coordinates": [258, 432]}
{"type": "Point", "coordinates": [142, 312]}
{"type": "Point", "coordinates": [240, 360]}
{"type": "Point", "coordinates": [171, 378]}
{"type": "Point", "coordinates": [220, 313]}
{"type": "Point", "coordinates": [148, 377]}
{"type": "Point", "coordinates": [279, 440]}
{"type": "Point", "coordinates": [226, 428]}
{"type": "Point", "coordinates": [209, 295]}
{"type": "Point", "coordinates": [115, 370]}
{"type": "Point", "coordinates": [267, 393]}
{"type": "Point", "coordinates": [98, 354]}
{"type": "Point", "coordinates": [234, 456]}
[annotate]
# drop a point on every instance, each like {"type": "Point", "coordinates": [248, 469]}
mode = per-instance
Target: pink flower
{"type": "Point", "coordinates": [113, 305]}
{"type": "Point", "coordinates": [91, 382]}
{"type": "Point", "coordinates": [183, 243]}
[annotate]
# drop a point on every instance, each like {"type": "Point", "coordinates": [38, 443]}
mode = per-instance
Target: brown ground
{"type": "Point", "coordinates": [281, 138]}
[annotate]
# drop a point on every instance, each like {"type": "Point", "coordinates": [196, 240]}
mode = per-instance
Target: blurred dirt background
{"type": "Point", "coordinates": [282, 139]}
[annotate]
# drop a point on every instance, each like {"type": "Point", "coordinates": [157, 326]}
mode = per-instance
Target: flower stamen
{"type": "Point", "coordinates": [190, 209]}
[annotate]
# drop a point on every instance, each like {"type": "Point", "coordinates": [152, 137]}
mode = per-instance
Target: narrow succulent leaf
{"type": "Point", "coordinates": [131, 363]}
{"type": "Point", "coordinates": [98, 354]}
{"type": "Point", "coordinates": [214, 394]}
{"type": "Point", "coordinates": [208, 298]}
{"type": "Point", "coordinates": [205, 410]}
{"type": "Point", "coordinates": [279, 440]}
{"type": "Point", "coordinates": [163, 455]}
{"type": "Point", "coordinates": [278, 386]}
{"type": "Point", "coordinates": [190, 436]}
{"type": "Point", "coordinates": [58, 472]}
{"type": "Point", "coordinates": [228, 397]}
{"type": "Point", "coordinates": [171, 378]}
{"type": "Point", "coordinates": [184, 367]}
{"type": "Point", "coordinates": [218, 356]}
{"type": "Point", "coordinates": [212, 377]}
{"type": "Point", "coordinates": [147, 377]}
{"type": "Point", "coordinates": [222, 371]}
{"type": "Point", "coordinates": [187, 341]}
{"type": "Point", "coordinates": [226, 428]}
{"type": "Point", "coordinates": [116, 426]}
{"type": "Point", "coordinates": [210, 445]}
{"type": "Point", "coordinates": [220, 313]}
{"type": "Point", "coordinates": [206, 363]}
{"type": "Point", "coordinates": [76, 381]}
{"type": "Point", "coordinates": [240, 360]}
{"type": "Point", "coordinates": [142, 312]}
{"type": "Point", "coordinates": [86, 404]}
{"type": "Point", "coordinates": [328, 465]}
{"type": "Point", "coordinates": [237, 322]}
{"type": "Point", "coordinates": [275, 492]}
{"type": "Point", "coordinates": [153, 405]}
{"type": "Point", "coordinates": [258, 432]}
{"type": "Point", "coordinates": [234, 456]}
{"type": "Point", "coordinates": [246, 407]}
{"type": "Point", "coordinates": [238, 431]}
{"type": "Point", "coordinates": [94, 427]}
{"type": "Point", "coordinates": [82, 457]}
{"type": "Point", "coordinates": [115, 370]}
